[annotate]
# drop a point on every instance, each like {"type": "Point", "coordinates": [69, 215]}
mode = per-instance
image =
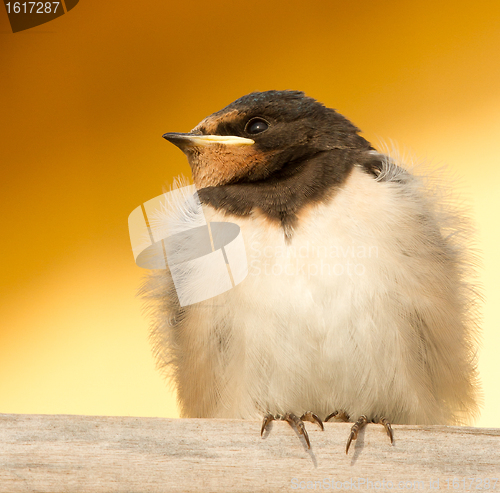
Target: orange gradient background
{"type": "Point", "coordinates": [85, 99]}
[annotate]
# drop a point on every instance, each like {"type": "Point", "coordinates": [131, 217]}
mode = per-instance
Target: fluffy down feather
{"type": "Point", "coordinates": [368, 309]}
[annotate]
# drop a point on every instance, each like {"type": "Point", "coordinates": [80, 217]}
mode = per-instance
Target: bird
{"type": "Point", "coordinates": [360, 303]}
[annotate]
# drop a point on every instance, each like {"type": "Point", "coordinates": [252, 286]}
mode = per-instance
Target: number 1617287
{"type": "Point", "coordinates": [32, 7]}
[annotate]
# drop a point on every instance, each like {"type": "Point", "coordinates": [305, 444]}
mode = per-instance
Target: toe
{"type": "Point", "coordinates": [267, 419]}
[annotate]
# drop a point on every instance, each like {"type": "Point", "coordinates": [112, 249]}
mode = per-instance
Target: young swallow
{"type": "Point", "coordinates": [357, 304]}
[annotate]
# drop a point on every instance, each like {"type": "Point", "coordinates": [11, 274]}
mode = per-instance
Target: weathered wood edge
{"type": "Point", "coordinates": [56, 453]}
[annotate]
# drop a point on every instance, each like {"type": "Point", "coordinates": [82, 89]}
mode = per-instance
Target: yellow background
{"type": "Point", "coordinates": [85, 99]}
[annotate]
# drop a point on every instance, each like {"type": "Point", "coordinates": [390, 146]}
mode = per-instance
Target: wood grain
{"type": "Point", "coordinates": [46, 453]}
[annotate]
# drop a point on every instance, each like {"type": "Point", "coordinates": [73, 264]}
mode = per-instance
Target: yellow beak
{"type": "Point", "coordinates": [191, 140]}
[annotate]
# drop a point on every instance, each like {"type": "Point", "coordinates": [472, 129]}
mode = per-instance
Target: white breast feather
{"type": "Point", "coordinates": [368, 310]}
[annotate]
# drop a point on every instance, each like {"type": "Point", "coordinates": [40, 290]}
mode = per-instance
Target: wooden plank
{"type": "Point", "coordinates": [46, 453]}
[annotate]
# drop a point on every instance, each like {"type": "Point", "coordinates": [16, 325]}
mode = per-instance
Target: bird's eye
{"type": "Point", "coordinates": [256, 126]}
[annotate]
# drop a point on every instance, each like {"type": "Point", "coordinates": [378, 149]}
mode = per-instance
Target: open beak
{"type": "Point", "coordinates": [184, 141]}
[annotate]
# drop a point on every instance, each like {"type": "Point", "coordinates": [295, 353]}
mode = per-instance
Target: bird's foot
{"type": "Point", "coordinates": [294, 421]}
{"type": "Point", "coordinates": [361, 423]}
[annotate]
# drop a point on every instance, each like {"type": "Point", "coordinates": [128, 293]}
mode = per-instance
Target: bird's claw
{"type": "Point", "coordinates": [294, 420]}
{"type": "Point", "coordinates": [312, 418]}
{"type": "Point", "coordinates": [267, 419]}
{"type": "Point", "coordinates": [388, 429]}
{"type": "Point", "coordinates": [361, 423]}
{"type": "Point", "coordinates": [341, 415]}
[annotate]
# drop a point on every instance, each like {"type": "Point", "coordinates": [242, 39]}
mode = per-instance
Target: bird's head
{"type": "Point", "coordinates": [261, 135]}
